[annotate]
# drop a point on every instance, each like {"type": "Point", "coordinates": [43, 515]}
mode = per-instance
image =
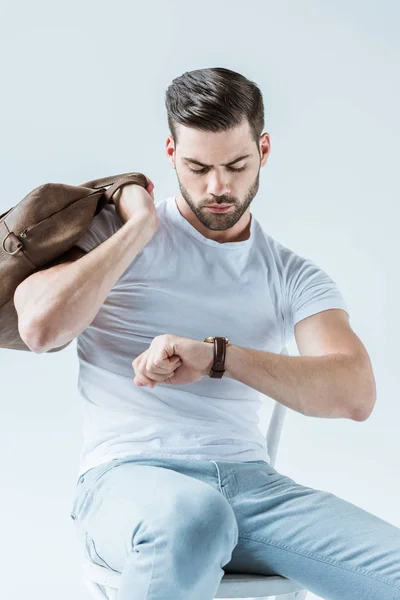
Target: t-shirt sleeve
{"type": "Point", "coordinates": [306, 289]}
{"type": "Point", "coordinates": [101, 227]}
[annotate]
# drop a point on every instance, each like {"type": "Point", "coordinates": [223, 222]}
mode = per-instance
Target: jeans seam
{"type": "Point", "coordinates": [222, 492]}
{"type": "Point", "coordinates": [219, 477]}
{"type": "Point", "coordinates": [315, 556]}
{"type": "Point", "coordinates": [152, 569]}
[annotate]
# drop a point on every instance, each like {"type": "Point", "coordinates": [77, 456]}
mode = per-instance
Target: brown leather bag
{"type": "Point", "coordinates": [40, 231]}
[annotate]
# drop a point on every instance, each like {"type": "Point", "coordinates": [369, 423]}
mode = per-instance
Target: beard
{"type": "Point", "coordinates": [221, 221]}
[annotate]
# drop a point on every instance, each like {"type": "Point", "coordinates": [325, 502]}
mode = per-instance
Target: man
{"type": "Point", "coordinates": [175, 487]}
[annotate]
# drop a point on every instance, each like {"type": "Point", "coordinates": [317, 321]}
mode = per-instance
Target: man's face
{"type": "Point", "coordinates": [235, 184]}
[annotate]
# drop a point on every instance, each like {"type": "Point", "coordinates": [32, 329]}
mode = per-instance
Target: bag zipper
{"type": "Point", "coordinates": [23, 233]}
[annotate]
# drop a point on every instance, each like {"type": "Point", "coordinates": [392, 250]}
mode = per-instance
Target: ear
{"type": "Point", "coordinates": [170, 149]}
{"type": "Point", "coordinates": [265, 146]}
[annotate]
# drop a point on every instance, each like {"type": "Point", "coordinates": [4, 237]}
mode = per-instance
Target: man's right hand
{"type": "Point", "coordinates": [132, 201]}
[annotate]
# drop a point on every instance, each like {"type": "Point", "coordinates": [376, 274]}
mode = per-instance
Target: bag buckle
{"type": "Point", "coordinates": [19, 247]}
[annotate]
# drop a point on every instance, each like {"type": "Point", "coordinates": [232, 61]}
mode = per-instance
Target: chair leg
{"type": "Point", "coordinates": [95, 590]}
{"type": "Point", "coordinates": [112, 593]}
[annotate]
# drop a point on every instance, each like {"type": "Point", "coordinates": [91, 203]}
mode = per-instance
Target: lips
{"type": "Point", "coordinates": [219, 209]}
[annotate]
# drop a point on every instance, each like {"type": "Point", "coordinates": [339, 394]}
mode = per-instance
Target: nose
{"type": "Point", "coordinates": [216, 185]}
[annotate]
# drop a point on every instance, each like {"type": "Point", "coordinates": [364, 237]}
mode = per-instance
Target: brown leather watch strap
{"type": "Point", "coordinates": [218, 366]}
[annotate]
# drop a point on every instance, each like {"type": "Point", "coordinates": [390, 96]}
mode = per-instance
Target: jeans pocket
{"type": "Point", "coordinates": [92, 554]}
{"type": "Point", "coordinates": [81, 495]}
{"type": "Point", "coordinates": [84, 490]}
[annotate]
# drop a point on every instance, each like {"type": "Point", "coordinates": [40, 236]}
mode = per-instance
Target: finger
{"type": "Point", "coordinates": [150, 368]}
{"type": "Point", "coordinates": [149, 375]}
{"type": "Point", "coordinates": [142, 380]}
{"type": "Point", "coordinates": [162, 366]}
{"type": "Point", "coordinates": [143, 376]}
{"type": "Point", "coordinates": [158, 365]}
{"type": "Point", "coordinates": [150, 185]}
{"type": "Point", "coordinates": [156, 376]}
{"type": "Point", "coordinates": [136, 362]}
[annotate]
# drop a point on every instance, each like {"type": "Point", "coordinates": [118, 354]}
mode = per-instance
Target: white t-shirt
{"type": "Point", "coordinates": [252, 292]}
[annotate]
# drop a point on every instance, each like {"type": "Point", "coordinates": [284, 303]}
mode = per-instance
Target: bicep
{"type": "Point", "coordinates": [327, 332]}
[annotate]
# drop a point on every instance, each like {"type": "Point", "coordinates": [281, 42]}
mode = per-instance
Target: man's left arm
{"type": "Point", "coordinates": [332, 378]}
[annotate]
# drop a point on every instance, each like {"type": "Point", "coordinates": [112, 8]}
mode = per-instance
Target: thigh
{"type": "Point", "coordinates": [119, 506]}
{"type": "Point", "coordinates": [313, 537]}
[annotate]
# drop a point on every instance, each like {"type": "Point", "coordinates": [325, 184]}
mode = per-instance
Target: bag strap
{"type": "Point", "coordinates": [115, 181]}
{"type": "Point", "coordinates": [112, 179]}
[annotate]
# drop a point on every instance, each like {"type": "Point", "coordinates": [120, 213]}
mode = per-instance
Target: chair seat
{"type": "Point", "coordinates": [232, 585]}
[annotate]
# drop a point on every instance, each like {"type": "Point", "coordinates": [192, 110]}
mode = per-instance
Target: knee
{"type": "Point", "coordinates": [207, 518]}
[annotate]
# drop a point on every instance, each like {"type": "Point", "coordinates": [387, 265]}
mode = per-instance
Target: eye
{"type": "Point", "coordinates": [201, 171]}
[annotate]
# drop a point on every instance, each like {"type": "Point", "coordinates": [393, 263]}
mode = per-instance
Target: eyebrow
{"type": "Point", "coordinates": [232, 162]}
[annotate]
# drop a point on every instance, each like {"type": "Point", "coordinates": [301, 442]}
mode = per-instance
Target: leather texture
{"type": "Point", "coordinates": [218, 366]}
{"type": "Point", "coordinates": [40, 232]}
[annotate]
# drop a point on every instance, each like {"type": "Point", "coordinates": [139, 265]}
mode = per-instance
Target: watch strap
{"type": "Point", "coordinates": [218, 366]}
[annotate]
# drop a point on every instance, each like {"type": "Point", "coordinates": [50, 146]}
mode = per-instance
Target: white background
{"type": "Point", "coordinates": [82, 96]}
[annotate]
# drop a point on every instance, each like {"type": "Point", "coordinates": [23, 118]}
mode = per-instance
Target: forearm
{"type": "Point", "coordinates": [319, 386]}
{"type": "Point", "coordinates": [66, 298]}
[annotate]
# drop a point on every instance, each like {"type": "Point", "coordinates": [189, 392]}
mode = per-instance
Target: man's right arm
{"type": "Point", "coordinates": [55, 305]}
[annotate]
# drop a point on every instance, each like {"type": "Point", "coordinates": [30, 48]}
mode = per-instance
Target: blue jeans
{"type": "Point", "coordinates": [174, 526]}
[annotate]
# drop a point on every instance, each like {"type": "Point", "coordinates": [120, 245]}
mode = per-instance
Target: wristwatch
{"type": "Point", "coordinates": [218, 366]}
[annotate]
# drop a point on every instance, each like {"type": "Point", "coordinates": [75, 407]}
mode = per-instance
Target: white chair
{"type": "Point", "coordinates": [103, 583]}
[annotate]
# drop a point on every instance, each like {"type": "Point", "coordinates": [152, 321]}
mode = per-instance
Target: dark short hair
{"type": "Point", "coordinates": [214, 99]}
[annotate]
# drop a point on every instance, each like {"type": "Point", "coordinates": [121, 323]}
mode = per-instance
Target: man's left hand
{"type": "Point", "coordinates": [173, 359]}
